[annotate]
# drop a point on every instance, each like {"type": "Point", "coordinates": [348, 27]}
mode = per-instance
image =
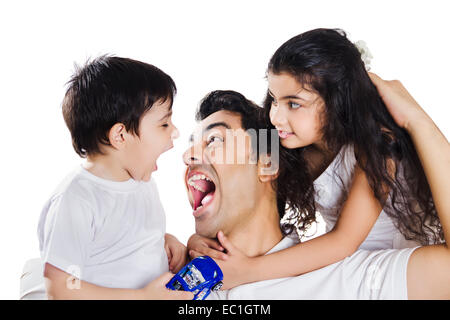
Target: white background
{"type": "Point", "coordinates": [203, 45]}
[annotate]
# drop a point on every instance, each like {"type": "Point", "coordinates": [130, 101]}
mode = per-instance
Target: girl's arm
{"type": "Point", "coordinates": [357, 217]}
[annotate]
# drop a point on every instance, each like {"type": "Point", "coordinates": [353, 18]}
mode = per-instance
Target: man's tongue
{"type": "Point", "coordinates": [200, 196]}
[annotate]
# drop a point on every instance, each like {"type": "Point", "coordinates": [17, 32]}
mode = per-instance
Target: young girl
{"type": "Point", "coordinates": [368, 183]}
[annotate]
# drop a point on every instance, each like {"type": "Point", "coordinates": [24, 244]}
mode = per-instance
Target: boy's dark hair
{"type": "Point", "coordinates": [297, 201]}
{"type": "Point", "coordinates": [110, 90]}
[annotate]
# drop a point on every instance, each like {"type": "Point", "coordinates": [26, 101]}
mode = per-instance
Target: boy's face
{"type": "Point", "coordinates": [156, 134]}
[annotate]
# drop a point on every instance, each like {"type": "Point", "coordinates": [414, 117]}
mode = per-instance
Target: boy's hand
{"type": "Point", "coordinates": [156, 290]}
{"type": "Point", "coordinates": [176, 253]}
{"type": "Point", "coordinates": [236, 267]}
{"type": "Point", "coordinates": [203, 246]}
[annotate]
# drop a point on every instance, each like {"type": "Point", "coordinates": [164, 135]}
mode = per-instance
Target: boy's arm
{"type": "Point", "coordinates": [176, 253]}
{"type": "Point", "coordinates": [63, 286]}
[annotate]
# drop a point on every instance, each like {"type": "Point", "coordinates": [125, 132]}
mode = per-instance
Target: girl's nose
{"type": "Point", "coordinates": [277, 116]}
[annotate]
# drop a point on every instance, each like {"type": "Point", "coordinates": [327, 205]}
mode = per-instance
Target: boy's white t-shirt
{"type": "Point", "coordinates": [107, 233]}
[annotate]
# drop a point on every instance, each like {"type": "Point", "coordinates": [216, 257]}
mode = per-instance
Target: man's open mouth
{"type": "Point", "coordinates": [202, 189]}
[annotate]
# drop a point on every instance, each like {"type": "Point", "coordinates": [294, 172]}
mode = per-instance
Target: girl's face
{"type": "Point", "coordinates": [295, 111]}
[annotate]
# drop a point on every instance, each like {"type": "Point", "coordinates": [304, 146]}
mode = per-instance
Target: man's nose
{"type": "Point", "coordinates": [193, 155]}
{"type": "Point", "coordinates": [278, 116]}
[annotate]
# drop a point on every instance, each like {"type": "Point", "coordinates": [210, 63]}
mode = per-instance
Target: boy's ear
{"type": "Point", "coordinates": [267, 168]}
{"type": "Point", "coordinates": [116, 135]}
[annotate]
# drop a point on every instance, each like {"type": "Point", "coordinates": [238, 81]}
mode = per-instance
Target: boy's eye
{"type": "Point", "coordinates": [293, 105]}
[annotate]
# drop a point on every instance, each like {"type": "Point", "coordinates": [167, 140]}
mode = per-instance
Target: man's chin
{"type": "Point", "coordinates": [206, 231]}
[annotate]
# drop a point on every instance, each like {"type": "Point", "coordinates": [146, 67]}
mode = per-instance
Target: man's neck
{"type": "Point", "coordinates": [260, 233]}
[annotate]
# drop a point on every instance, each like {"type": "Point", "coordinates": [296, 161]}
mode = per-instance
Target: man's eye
{"type": "Point", "coordinates": [293, 105]}
{"type": "Point", "coordinates": [213, 139]}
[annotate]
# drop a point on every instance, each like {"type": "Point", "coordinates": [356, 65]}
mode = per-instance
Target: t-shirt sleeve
{"type": "Point", "coordinates": [67, 233]}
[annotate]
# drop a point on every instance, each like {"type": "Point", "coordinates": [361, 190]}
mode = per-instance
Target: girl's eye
{"type": "Point", "coordinates": [274, 102]}
{"type": "Point", "coordinates": [293, 105]}
{"type": "Point", "coordinates": [165, 125]}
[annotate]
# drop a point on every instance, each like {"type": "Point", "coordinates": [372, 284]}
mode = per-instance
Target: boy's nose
{"type": "Point", "coordinates": [175, 133]}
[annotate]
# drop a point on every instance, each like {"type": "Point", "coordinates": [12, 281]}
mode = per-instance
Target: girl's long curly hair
{"type": "Point", "coordinates": [354, 115]}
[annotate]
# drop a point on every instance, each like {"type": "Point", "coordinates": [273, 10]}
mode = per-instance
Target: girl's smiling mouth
{"type": "Point", "coordinates": [285, 134]}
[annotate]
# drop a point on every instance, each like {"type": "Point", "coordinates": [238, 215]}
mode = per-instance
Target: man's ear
{"type": "Point", "coordinates": [116, 135]}
{"type": "Point", "coordinates": [267, 168]}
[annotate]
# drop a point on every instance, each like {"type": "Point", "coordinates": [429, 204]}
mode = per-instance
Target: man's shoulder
{"type": "Point", "coordinates": [286, 242]}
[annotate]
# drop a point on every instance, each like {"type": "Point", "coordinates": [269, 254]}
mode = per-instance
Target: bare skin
{"type": "Point", "coordinates": [129, 156]}
{"type": "Point", "coordinates": [427, 274]}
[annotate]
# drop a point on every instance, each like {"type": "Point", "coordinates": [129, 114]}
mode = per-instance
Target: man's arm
{"type": "Point", "coordinates": [429, 266]}
{"type": "Point", "coordinates": [428, 273]}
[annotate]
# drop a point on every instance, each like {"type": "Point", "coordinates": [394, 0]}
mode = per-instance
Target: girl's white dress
{"type": "Point", "coordinates": [332, 188]}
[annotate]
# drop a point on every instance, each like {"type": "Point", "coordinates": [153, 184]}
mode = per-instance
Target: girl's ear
{"type": "Point", "coordinates": [116, 136]}
{"type": "Point", "coordinates": [267, 168]}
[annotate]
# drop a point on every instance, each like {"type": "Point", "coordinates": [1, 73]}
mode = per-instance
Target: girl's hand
{"type": "Point", "coordinates": [400, 104]}
{"type": "Point", "coordinates": [156, 290]}
{"type": "Point", "coordinates": [176, 253]}
{"type": "Point", "coordinates": [236, 268]}
{"type": "Point", "coordinates": [203, 246]}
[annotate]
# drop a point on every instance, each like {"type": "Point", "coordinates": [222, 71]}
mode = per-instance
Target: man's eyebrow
{"type": "Point", "coordinates": [216, 124]}
{"type": "Point", "coordinates": [210, 127]}
{"type": "Point", "coordinates": [287, 97]}
{"type": "Point", "coordinates": [167, 115]}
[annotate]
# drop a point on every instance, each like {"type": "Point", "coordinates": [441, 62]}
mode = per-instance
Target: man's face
{"type": "Point", "coordinates": [221, 176]}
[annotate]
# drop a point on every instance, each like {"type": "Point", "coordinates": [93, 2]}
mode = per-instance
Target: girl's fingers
{"type": "Point", "coordinates": [205, 251]}
{"type": "Point", "coordinates": [213, 244]}
{"type": "Point", "coordinates": [225, 242]}
{"type": "Point", "coordinates": [195, 254]}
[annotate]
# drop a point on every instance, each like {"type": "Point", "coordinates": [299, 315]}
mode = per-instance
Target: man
{"type": "Point", "coordinates": [237, 198]}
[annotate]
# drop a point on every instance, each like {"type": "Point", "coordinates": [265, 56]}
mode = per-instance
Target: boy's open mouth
{"type": "Point", "coordinates": [202, 189]}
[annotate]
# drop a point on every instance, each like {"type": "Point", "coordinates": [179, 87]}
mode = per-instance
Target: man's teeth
{"type": "Point", "coordinates": [206, 199]}
{"type": "Point", "coordinates": [204, 202]}
{"type": "Point", "coordinates": [196, 177]}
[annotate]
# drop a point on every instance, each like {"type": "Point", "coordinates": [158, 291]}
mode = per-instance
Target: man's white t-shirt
{"type": "Point", "coordinates": [108, 233]}
{"type": "Point", "coordinates": [378, 274]}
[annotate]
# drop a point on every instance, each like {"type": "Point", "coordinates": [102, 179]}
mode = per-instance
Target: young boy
{"type": "Point", "coordinates": [102, 232]}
